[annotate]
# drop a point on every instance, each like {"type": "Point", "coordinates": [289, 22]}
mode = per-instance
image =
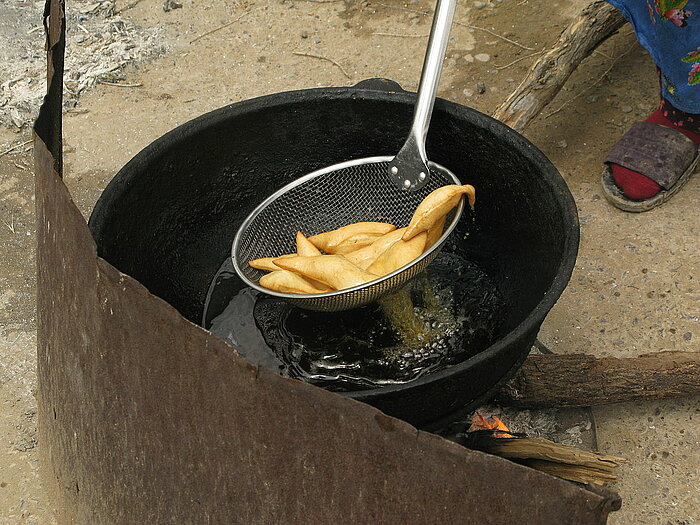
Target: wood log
{"type": "Point", "coordinates": [571, 472]}
{"type": "Point", "coordinates": [578, 380]}
{"type": "Point", "coordinates": [556, 459]}
{"type": "Point", "coordinates": [544, 449]}
{"type": "Point", "coordinates": [596, 22]}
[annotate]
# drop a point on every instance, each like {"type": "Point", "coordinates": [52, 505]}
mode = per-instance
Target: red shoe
{"type": "Point", "coordinates": [650, 163]}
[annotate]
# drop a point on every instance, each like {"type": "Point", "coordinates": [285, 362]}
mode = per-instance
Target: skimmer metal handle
{"type": "Point", "coordinates": [409, 169]}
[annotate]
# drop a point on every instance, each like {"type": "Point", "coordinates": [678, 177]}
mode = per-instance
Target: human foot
{"type": "Point", "coordinates": [652, 160]}
{"type": "Point", "coordinates": [633, 184]}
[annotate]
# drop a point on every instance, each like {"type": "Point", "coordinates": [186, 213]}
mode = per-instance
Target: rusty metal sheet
{"type": "Point", "coordinates": [147, 418]}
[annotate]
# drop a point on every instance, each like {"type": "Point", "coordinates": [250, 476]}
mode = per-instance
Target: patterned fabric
{"type": "Point", "coordinates": [670, 31]}
{"type": "Point", "coordinates": [680, 119]}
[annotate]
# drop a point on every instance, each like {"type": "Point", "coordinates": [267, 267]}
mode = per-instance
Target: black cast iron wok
{"type": "Point", "coordinates": [169, 216]}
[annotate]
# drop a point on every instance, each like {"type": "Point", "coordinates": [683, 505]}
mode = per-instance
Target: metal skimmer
{"type": "Point", "coordinates": [384, 189]}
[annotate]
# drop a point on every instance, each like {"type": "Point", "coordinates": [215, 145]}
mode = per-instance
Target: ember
{"type": "Point", "coordinates": [479, 422]}
{"type": "Point", "coordinates": [556, 459]}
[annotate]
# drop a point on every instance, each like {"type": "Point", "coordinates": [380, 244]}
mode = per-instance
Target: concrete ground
{"type": "Point", "coordinates": [633, 290]}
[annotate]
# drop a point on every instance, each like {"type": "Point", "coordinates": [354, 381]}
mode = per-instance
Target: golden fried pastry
{"type": "Point", "coordinates": [333, 270]}
{"type": "Point", "coordinates": [354, 243]}
{"type": "Point", "coordinates": [435, 232]}
{"type": "Point", "coordinates": [367, 255]}
{"type": "Point", "coordinates": [305, 247]}
{"type": "Point", "coordinates": [285, 281]}
{"type": "Point", "coordinates": [399, 254]}
{"type": "Point", "coordinates": [351, 237]}
{"type": "Point", "coordinates": [360, 252]}
{"type": "Point", "coordinates": [436, 205]}
{"type": "Point", "coordinates": [265, 263]}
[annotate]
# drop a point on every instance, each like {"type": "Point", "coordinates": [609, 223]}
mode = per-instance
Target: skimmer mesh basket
{"type": "Point", "coordinates": [355, 191]}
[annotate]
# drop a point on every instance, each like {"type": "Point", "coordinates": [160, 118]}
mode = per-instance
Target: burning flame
{"type": "Point", "coordinates": [479, 422]}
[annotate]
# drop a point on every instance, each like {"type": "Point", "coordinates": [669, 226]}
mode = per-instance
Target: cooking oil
{"type": "Point", "coordinates": [447, 314]}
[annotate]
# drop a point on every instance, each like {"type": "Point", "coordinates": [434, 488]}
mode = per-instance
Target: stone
{"type": "Point", "coordinates": [482, 57]}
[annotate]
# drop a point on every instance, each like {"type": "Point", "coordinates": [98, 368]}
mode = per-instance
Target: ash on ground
{"type": "Point", "coordinates": [99, 43]}
{"type": "Point", "coordinates": [569, 426]}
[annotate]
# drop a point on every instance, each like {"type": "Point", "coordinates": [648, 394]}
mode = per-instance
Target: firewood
{"type": "Point", "coordinates": [571, 472]}
{"type": "Point", "coordinates": [596, 22]}
{"type": "Point", "coordinates": [544, 449]}
{"type": "Point", "coordinates": [579, 380]}
{"type": "Point", "coordinates": [556, 459]}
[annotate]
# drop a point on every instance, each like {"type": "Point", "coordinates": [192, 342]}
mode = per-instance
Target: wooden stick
{"type": "Point", "coordinates": [218, 28]}
{"type": "Point", "coordinates": [571, 472]}
{"type": "Point", "coordinates": [553, 458]}
{"type": "Point", "coordinates": [544, 449]}
{"type": "Point", "coordinates": [400, 35]}
{"type": "Point", "coordinates": [13, 148]}
{"type": "Point", "coordinates": [600, 79]}
{"type": "Point", "coordinates": [117, 84]}
{"type": "Point", "coordinates": [493, 33]}
{"type": "Point", "coordinates": [320, 57]}
{"type": "Point", "coordinates": [506, 66]}
{"type": "Point", "coordinates": [597, 22]}
{"type": "Point", "coordinates": [457, 23]}
{"type": "Point", "coordinates": [579, 380]}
